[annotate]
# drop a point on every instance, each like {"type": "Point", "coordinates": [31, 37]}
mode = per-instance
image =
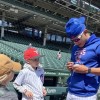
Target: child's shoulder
{"type": "Point", "coordinates": [40, 69]}
{"type": "Point", "coordinates": [24, 70]}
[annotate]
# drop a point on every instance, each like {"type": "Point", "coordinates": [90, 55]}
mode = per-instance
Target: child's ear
{"type": "Point", "coordinates": [27, 61]}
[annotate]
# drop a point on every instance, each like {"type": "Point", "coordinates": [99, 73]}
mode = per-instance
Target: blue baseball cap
{"type": "Point", "coordinates": [75, 26]}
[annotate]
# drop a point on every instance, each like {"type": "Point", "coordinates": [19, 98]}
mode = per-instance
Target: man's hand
{"type": "Point", "coordinates": [80, 68]}
{"type": "Point", "coordinates": [44, 92]}
{"type": "Point", "coordinates": [70, 66]}
{"type": "Point", "coordinates": [29, 94]}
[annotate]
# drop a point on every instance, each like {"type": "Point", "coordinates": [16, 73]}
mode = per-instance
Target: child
{"type": "Point", "coordinates": [7, 69]}
{"type": "Point", "coordinates": [30, 79]}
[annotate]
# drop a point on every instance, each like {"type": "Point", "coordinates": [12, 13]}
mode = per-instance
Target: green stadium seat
{"type": "Point", "coordinates": [15, 51]}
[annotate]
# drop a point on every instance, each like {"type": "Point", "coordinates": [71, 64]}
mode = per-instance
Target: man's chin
{"type": "Point", "coordinates": [80, 45]}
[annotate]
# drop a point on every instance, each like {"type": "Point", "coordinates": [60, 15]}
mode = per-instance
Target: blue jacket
{"type": "Point", "coordinates": [89, 55]}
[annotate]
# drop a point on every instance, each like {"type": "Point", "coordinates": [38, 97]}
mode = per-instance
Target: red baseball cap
{"type": "Point", "coordinates": [31, 53]}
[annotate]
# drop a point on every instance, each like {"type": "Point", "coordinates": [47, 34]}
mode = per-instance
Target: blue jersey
{"type": "Point", "coordinates": [89, 55]}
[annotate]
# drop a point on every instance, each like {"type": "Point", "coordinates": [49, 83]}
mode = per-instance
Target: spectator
{"type": "Point", "coordinates": [59, 55]}
{"type": "Point", "coordinates": [7, 69]}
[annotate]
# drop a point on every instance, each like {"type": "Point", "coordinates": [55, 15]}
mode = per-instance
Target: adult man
{"type": "Point", "coordinates": [85, 61]}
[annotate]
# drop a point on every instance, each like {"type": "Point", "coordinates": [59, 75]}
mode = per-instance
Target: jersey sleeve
{"type": "Point", "coordinates": [19, 79]}
{"type": "Point", "coordinates": [18, 82]}
{"type": "Point", "coordinates": [43, 75]}
{"type": "Point", "coordinates": [98, 53]}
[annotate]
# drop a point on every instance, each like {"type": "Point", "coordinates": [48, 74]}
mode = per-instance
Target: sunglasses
{"type": "Point", "coordinates": [78, 38]}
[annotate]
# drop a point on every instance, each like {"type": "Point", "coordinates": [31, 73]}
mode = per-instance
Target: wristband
{"type": "Point", "coordinates": [89, 70]}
